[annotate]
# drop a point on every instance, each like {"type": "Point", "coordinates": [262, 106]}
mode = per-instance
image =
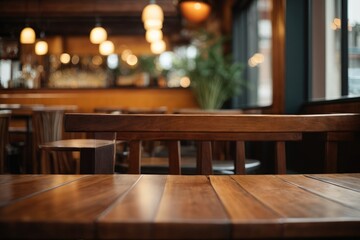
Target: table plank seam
{"type": "Point", "coordinates": [118, 199]}
{"type": "Point", "coordinates": [281, 220]}
{"type": "Point", "coordinates": [331, 182]}
{"type": "Point", "coordinates": [318, 194]}
{"type": "Point", "coordinates": [42, 191]}
{"type": "Point", "coordinates": [258, 200]}
{"type": "Point", "coordinates": [228, 216]}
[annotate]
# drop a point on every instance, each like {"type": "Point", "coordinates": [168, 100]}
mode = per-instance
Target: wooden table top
{"type": "Point", "coordinates": [179, 207]}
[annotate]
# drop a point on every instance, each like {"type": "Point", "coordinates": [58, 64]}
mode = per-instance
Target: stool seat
{"type": "Point", "coordinates": [96, 155]}
{"type": "Point", "coordinates": [75, 144]}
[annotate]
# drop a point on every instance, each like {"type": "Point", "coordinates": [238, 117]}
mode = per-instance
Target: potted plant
{"type": "Point", "coordinates": [215, 77]}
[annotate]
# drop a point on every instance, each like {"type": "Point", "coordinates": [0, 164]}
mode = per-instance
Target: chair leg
{"type": "Point", "coordinates": [174, 157]}
{"type": "Point", "coordinates": [43, 162]}
{"type": "Point", "coordinates": [280, 158]}
{"type": "Point", "coordinates": [331, 151]}
{"type": "Point", "coordinates": [56, 164]}
{"type": "Point", "coordinates": [204, 158]}
{"type": "Point", "coordinates": [134, 157]}
{"type": "Point", "coordinates": [240, 158]}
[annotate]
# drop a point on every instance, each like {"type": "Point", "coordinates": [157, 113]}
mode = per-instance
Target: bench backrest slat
{"type": "Point", "coordinates": [209, 127]}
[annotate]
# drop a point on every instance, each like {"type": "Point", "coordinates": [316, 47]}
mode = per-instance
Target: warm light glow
{"type": "Point", "coordinates": [158, 47]}
{"type": "Point", "coordinates": [337, 22]}
{"type": "Point", "coordinates": [153, 24]}
{"type": "Point", "coordinates": [132, 60]}
{"type": "Point", "coordinates": [41, 48]}
{"type": "Point", "coordinates": [185, 82]}
{"type": "Point", "coordinates": [152, 16]}
{"type": "Point", "coordinates": [256, 59]}
{"type": "Point", "coordinates": [106, 48]}
{"type": "Point", "coordinates": [153, 35]}
{"type": "Point", "coordinates": [153, 12]}
{"type": "Point", "coordinates": [333, 26]}
{"type": "Point", "coordinates": [27, 36]}
{"type": "Point", "coordinates": [65, 58]}
{"type": "Point", "coordinates": [97, 60]}
{"type": "Point", "coordinates": [75, 59]}
{"type": "Point", "coordinates": [125, 54]}
{"type": "Point", "coordinates": [195, 11]}
{"type": "Point", "coordinates": [98, 35]}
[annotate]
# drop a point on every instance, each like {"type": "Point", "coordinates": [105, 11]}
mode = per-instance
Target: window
{"type": "Point", "coordinates": [252, 38]}
{"type": "Point", "coordinates": [354, 47]}
{"type": "Point", "coordinates": [335, 51]}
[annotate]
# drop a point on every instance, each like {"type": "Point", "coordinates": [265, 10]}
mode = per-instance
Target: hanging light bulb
{"type": "Point", "coordinates": [195, 11]}
{"type": "Point", "coordinates": [106, 48]}
{"type": "Point", "coordinates": [27, 36]}
{"type": "Point", "coordinates": [152, 11]}
{"type": "Point", "coordinates": [153, 35]}
{"type": "Point", "coordinates": [41, 48]}
{"type": "Point", "coordinates": [98, 35]}
{"type": "Point", "coordinates": [158, 47]}
{"type": "Point", "coordinates": [153, 24]}
{"type": "Point", "coordinates": [152, 16]}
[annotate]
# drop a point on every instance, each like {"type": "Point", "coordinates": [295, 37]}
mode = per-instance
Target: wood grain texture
{"type": "Point", "coordinates": [133, 215]}
{"type": "Point", "coordinates": [68, 211]}
{"type": "Point", "coordinates": [14, 188]}
{"type": "Point", "coordinates": [351, 181]}
{"type": "Point", "coordinates": [119, 97]}
{"type": "Point", "coordinates": [300, 209]}
{"type": "Point", "coordinates": [338, 194]}
{"type": "Point", "coordinates": [75, 144]}
{"type": "Point", "coordinates": [244, 208]}
{"type": "Point", "coordinates": [211, 123]}
{"type": "Point", "coordinates": [180, 207]}
{"type": "Point", "coordinates": [190, 209]}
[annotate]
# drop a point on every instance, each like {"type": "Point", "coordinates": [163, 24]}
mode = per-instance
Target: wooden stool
{"type": "Point", "coordinates": [96, 156]}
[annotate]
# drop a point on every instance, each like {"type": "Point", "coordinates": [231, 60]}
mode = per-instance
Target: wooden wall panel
{"type": "Point", "coordinates": [88, 99]}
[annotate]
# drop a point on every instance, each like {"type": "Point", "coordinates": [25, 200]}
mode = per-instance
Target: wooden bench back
{"type": "Point", "coordinates": [4, 127]}
{"type": "Point", "coordinates": [205, 128]}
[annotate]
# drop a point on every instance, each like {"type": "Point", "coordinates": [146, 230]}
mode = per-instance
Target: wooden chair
{"type": "Point", "coordinates": [147, 146]}
{"type": "Point", "coordinates": [56, 153]}
{"type": "Point", "coordinates": [47, 126]}
{"type": "Point", "coordinates": [4, 128]}
{"type": "Point", "coordinates": [205, 128]}
{"type": "Point", "coordinates": [220, 149]}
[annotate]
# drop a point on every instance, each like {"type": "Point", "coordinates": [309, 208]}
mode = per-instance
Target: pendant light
{"type": "Point", "coordinates": [27, 36]}
{"type": "Point", "coordinates": [98, 34]}
{"type": "Point", "coordinates": [152, 16]}
{"type": "Point", "coordinates": [41, 46]}
{"type": "Point", "coordinates": [158, 47]}
{"type": "Point", "coordinates": [195, 11]}
{"type": "Point", "coordinates": [106, 48]}
{"type": "Point", "coordinates": [153, 35]}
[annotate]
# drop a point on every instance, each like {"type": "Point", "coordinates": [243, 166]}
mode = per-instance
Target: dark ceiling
{"type": "Point", "coordinates": [78, 17]}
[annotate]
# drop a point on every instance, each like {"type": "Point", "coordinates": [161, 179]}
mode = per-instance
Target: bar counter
{"type": "Point", "coordinates": [179, 207]}
{"type": "Point", "coordinates": [89, 99]}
